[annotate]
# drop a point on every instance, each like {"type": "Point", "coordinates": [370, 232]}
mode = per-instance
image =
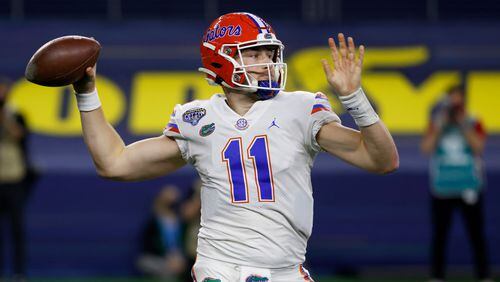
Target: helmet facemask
{"type": "Point", "coordinates": [244, 80]}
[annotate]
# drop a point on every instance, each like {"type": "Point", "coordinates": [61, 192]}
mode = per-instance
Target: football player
{"type": "Point", "coordinates": [253, 146]}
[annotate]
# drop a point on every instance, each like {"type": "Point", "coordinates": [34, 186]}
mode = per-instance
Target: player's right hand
{"type": "Point", "coordinates": [87, 83]}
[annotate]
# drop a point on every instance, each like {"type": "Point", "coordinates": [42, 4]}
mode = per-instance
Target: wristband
{"type": "Point", "coordinates": [87, 102]}
{"type": "Point", "coordinates": [360, 108]}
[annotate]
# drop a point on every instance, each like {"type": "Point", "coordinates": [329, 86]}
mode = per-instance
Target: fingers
{"type": "Point", "coordinates": [347, 50]}
{"type": "Point", "coordinates": [351, 49]}
{"type": "Point", "coordinates": [91, 71]}
{"type": "Point", "coordinates": [361, 55]}
{"type": "Point", "coordinates": [345, 54]}
{"type": "Point", "coordinates": [335, 53]}
{"type": "Point", "coordinates": [326, 68]}
{"type": "Point", "coordinates": [343, 47]}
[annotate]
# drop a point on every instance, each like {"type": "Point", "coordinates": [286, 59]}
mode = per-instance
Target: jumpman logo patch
{"type": "Point", "coordinates": [273, 124]}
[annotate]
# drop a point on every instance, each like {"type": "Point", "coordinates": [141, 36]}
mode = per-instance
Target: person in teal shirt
{"type": "Point", "coordinates": [455, 142]}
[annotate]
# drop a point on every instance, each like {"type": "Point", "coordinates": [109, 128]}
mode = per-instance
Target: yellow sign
{"type": "Point", "coordinates": [43, 106]}
{"type": "Point", "coordinates": [402, 105]}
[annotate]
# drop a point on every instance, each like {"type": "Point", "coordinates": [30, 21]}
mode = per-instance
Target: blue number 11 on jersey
{"type": "Point", "coordinates": [258, 152]}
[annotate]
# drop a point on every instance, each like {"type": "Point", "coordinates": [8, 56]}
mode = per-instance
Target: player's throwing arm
{"type": "Point", "coordinates": [71, 60]}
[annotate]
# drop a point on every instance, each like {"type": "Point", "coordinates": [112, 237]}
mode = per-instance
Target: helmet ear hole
{"type": "Point", "coordinates": [216, 65]}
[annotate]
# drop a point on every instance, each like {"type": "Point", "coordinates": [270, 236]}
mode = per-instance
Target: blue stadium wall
{"type": "Point", "coordinates": [79, 224]}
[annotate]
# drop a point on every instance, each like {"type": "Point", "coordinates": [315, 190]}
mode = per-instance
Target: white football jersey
{"type": "Point", "coordinates": [257, 204]}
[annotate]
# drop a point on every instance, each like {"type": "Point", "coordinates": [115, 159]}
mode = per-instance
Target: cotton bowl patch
{"type": "Point", "coordinates": [194, 115]}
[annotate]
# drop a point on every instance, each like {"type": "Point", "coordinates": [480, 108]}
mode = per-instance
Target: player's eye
{"type": "Point", "coordinates": [251, 54]}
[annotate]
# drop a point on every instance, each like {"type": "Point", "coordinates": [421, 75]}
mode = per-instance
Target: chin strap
{"type": "Point", "coordinates": [265, 94]}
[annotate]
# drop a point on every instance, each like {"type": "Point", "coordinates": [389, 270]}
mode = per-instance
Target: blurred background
{"type": "Point", "coordinates": [365, 226]}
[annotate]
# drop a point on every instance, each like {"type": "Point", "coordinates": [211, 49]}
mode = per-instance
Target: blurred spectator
{"type": "Point", "coordinates": [191, 216]}
{"type": "Point", "coordinates": [16, 179]}
{"type": "Point", "coordinates": [162, 254]}
{"type": "Point", "coordinates": [455, 141]}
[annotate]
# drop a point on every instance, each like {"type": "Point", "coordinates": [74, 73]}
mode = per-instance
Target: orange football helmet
{"type": "Point", "coordinates": [223, 42]}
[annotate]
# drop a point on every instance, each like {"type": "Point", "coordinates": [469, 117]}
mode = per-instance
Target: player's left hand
{"type": "Point", "coordinates": [345, 77]}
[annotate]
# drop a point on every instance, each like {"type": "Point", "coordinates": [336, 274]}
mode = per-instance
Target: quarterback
{"type": "Point", "coordinates": [253, 146]}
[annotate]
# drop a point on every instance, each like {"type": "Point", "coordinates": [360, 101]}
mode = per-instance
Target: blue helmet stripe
{"type": "Point", "coordinates": [259, 27]}
{"type": "Point", "coordinates": [256, 23]}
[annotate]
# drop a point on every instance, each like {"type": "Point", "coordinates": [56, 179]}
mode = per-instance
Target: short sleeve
{"type": "Point", "coordinates": [173, 130]}
{"type": "Point", "coordinates": [321, 114]}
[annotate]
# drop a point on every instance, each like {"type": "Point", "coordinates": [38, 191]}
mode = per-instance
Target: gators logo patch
{"type": "Point", "coordinates": [208, 279]}
{"type": "Point", "coordinates": [207, 129]}
{"type": "Point", "coordinates": [255, 278]}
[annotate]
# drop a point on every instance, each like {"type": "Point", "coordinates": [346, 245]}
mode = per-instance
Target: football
{"type": "Point", "coordinates": [62, 61]}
